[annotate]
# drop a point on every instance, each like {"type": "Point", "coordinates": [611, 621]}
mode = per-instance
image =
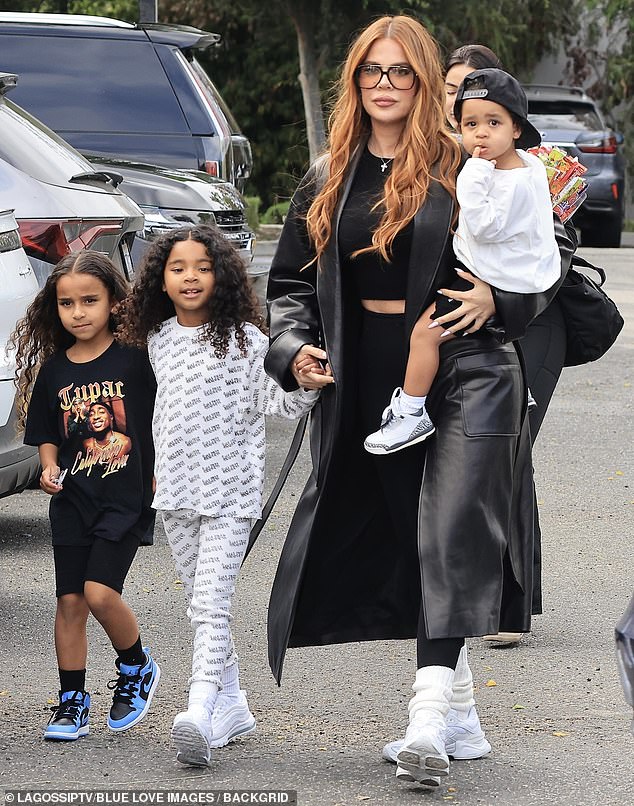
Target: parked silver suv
{"type": "Point", "coordinates": [19, 463]}
{"type": "Point", "coordinates": [567, 117]}
{"type": "Point", "coordinates": [61, 202]}
{"type": "Point", "coordinates": [118, 90]}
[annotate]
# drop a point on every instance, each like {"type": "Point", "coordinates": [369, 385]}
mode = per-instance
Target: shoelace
{"type": "Point", "coordinates": [69, 709]}
{"type": "Point", "coordinates": [124, 686]}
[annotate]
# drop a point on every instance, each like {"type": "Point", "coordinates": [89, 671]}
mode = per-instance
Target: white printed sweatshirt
{"type": "Point", "coordinates": [209, 424]}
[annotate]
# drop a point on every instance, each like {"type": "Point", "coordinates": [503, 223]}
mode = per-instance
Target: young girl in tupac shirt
{"type": "Point", "coordinates": [194, 305]}
{"type": "Point", "coordinates": [87, 403]}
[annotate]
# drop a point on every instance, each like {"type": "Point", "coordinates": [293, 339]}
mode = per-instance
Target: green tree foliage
{"type": "Point", "coordinates": [256, 67]}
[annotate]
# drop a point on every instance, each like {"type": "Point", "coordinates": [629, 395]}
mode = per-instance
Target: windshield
{"type": "Point", "coordinates": [564, 115]}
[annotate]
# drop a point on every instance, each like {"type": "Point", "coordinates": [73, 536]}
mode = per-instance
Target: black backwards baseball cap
{"type": "Point", "coordinates": [493, 84]}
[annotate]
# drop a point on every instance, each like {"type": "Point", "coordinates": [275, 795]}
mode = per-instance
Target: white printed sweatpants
{"type": "Point", "coordinates": [208, 552]}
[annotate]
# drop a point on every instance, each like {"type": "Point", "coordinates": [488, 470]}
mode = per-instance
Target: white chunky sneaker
{"type": "Point", "coordinates": [464, 738]}
{"type": "Point", "coordinates": [417, 776]}
{"type": "Point", "coordinates": [423, 749]}
{"type": "Point", "coordinates": [231, 718]}
{"type": "Point", "coordinates": [191, 734]}
{"type": "Point", "coordinates": [399, 430]}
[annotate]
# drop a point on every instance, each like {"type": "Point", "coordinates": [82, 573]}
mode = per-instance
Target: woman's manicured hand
{"type": "Point", "coordinates": [310, 368]}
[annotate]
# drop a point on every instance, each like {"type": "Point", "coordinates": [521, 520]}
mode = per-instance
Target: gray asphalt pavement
{"type": "Point", "coordinates": [552, 707]}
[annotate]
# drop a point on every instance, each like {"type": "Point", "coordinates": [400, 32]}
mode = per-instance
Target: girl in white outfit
{"type": "Point", "coordinates": [194, 306]}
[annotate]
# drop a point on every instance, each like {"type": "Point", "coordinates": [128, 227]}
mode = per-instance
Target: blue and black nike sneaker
{"type": "Point", "coordinates": [133, 692]}
{"type": "Point", "coordinates": [70, 718]}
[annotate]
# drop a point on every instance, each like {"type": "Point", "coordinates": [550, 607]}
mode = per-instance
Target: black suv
{"type": "Point", "coordinates": [567, 117]}
{"type": "Point", "coordinates": [132, 92]}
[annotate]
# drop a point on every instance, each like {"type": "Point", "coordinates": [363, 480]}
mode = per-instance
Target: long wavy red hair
{"type": "Point", "coordinates": [425, 143]}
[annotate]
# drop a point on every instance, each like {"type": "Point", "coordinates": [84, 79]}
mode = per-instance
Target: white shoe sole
{"type": "Point", "coordinates": [423, 761]}
{"type": "Point", "coordinates": [413, 775]}
{"type": "Point", "coordinates": [191, 744]}
{"type": "Point", "coordinates": [51, 735]}
{"type": "Point", "coordinates": [379, 450]}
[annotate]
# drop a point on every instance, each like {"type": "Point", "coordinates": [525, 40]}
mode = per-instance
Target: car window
{"type": "Point", "coordinates": [564, 115]}
{"type": "Point", "coordinates": [33, 148]}
{"type": "Point", "coordinates": [92, 85]}
{"type": "Point", "coordinates": [213, 95]}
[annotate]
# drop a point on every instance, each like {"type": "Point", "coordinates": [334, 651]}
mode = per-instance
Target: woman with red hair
{"type": "Point", "coordinates": [434, 542]}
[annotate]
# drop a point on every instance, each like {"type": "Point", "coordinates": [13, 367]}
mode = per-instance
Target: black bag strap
{"type": "Point", "coordinates": [577, 260]}
{"type": "Point", "coordinates": [291, 456]}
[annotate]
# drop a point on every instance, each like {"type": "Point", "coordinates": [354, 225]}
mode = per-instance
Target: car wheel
{"type": "Point", "coordinates": [606, 232]}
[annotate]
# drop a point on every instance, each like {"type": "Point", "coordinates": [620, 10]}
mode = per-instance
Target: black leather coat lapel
{"type": "Point", "coordinates": [431, 231]}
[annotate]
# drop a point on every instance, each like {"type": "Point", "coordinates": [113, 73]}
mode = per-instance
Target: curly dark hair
{"type": "Point", "coordinates": [232, 303]}
{"type": "Point", "coordinates": [40, 334]}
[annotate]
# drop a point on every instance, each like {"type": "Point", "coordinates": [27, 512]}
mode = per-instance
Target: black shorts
{"type": "Point", "coordinates": [104, 561]}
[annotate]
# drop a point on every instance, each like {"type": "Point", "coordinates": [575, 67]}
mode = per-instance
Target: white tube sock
{"type": "Point", "coordinates": [462, 698]}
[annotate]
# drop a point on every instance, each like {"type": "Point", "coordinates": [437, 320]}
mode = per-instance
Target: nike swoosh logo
{"type": "Point", "coordinates": [146, 685]}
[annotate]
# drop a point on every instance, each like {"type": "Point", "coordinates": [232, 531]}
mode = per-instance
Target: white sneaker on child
{"type": "Point", "coordinates": [191, 734]}
{"type": "Point", "coordinates": [399, 430]}
{"type": "Point", "coordinates": [231, 718]}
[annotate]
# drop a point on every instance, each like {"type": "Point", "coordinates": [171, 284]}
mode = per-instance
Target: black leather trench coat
{"type": "Point", "coordinates": [473, 562]}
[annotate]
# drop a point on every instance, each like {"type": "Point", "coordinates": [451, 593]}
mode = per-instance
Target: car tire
{"type": "Point", "coordinates": [605, 233]}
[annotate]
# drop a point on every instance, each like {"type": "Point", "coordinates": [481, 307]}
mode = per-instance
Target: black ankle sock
{"type": "Point", "coordinates": [73, 680]}
{"type": "Point", "coordinates": [134, 656]}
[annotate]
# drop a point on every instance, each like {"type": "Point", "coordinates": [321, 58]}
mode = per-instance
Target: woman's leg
{"type": "Point", "coordinates": [544, 351]}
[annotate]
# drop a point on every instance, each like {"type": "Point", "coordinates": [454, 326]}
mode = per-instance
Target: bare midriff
{"type": "Point", "coordinates": [384, 305]}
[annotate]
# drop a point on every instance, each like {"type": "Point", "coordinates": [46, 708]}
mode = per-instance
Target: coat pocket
{"type": "Point", "coordinates": [492, 391]}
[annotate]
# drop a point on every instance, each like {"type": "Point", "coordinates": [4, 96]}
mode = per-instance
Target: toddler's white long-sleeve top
{"type": "Point", "coordinates": [209, 424]}
{"type": "Point", "coordinates": [505, 232]}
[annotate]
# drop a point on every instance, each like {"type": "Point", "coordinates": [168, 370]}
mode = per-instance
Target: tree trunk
{"type": "Point", "coordinates": [309, 78]}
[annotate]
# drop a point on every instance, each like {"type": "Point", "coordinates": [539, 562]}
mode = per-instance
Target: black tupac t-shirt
{"type": "Point", "coordinates": [99, 414]}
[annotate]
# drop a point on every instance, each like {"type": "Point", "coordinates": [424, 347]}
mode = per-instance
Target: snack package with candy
{"type": "Point", "coordinates": [565, 179]}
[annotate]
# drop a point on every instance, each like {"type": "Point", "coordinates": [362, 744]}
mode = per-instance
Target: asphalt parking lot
{"type": "Point", "coordinates": [552, 707]}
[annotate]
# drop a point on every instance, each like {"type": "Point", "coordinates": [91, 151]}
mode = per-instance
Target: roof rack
{"type": "Point", "coordinates": [557, 88]}
{"type": "Point", "coordinates": [62, 19]}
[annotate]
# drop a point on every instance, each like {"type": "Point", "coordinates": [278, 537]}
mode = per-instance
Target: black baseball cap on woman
{"type": "Point", "coordinates": [493, 84]}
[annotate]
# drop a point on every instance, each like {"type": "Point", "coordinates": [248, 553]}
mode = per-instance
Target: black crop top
{"type": "Point", "coordinates": [373, 277]}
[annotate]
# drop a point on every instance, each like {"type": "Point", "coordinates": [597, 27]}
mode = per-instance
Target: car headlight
{"type": "Point", "coordinates": [159, 220]}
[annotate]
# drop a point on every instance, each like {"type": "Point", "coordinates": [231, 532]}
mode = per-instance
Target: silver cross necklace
{"type": "Point", "coordinates": [385, 163]}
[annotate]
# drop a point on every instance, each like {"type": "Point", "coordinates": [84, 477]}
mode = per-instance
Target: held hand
{"type": "Point", "coordinates": [477, 306]}
{"type": "Point", "coordinates": [48, 480]}
{"type": "Point", "coordinates": [310, 369]}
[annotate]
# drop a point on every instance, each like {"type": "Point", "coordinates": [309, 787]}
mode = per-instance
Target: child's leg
{"type": "Point", "coordinates": [213, 549]}
{"type": "Point", "coordinates": [71, 644]}
{"type": "Point", "coordinates": [222, 545]}
{"type": "Point", "coordinates": [405, 421]}
{"type": "Point", "coordinates": [422, 363]}
{"type": "Point", "coordinates": [139, 673]}
{"type": "Point", "coordinates": [70, 719]}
